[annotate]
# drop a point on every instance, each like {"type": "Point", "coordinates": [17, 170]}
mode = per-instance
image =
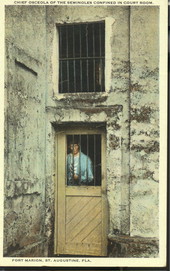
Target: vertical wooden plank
{"type": "Point", "coordinates": [61, 179]}
{"type": "Point", "coordinates": [104, 197]}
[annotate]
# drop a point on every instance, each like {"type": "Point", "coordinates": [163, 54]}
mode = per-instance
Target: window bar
{"type": "Point", "coordinates": [73, 159]}
{"type": "Point", "coordinates": [100, 66]}
{"type": "Point", "coordinates": [74, 60]}
{"type": "Point", "coordinates": [100, 40]}
{"type": "Point", "coordinates": [94, 66]}
{"type": "Point", "coordinates": [103, 71]}
{"type": "Point", "coordinates": [94, 166]}
{"type": "Point", "coordinates": [68, 86]}
{"type": "Point", "coordinates": [100, 163]}
{"type": "Point", "coordinates": [60, 41]}
{"type": "Point", "coordinates": [100, 74]}
{"type": "Point", "coordinates": [80, 159]}
{"type": "Point", "coordinates": [61, 78]}
{"type": "Point", "coordinates": [80, 60]}
{"type": "Point", "coordinates": [87, 62]}
{"type": "Point", "coordinates": [87, 157]}
{"type": "Point", "coordinates": [60, 54]}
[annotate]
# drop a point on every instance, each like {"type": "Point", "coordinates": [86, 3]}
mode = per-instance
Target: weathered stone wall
{"type": "Point", "coordinates": [129, 109]}
{"type": "Point", "coordinates": [25, 131]}
{"type": "Point", "coordinates": [144, 132]}
{"type": "Point", "coordinates": [137, 247]}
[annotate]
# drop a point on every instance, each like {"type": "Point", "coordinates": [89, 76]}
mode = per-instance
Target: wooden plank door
{"type": "Point", "coordinates": [81, 211]}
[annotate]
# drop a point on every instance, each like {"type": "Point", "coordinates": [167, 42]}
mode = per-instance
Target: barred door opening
{"type": "Point", "coordinates": [86, 164]}
{"type": "Point", "coordinates": [81, 221]}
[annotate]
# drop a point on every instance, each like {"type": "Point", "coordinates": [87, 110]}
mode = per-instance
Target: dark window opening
{"type": "Point", "coordinates": [81, 57]}
{"type": "Point", "coordinates": [83, 166]}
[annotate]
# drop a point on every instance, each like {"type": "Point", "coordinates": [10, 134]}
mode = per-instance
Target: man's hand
{"type": "Point", "coordinates": [76, 177]}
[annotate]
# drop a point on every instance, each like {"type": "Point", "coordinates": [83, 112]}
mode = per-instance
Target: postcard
{"type": "Point", "coordinates": [84, 133]}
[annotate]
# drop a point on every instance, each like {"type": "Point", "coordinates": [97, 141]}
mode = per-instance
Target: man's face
{"type": "Point", "coordinates": [74, 148]}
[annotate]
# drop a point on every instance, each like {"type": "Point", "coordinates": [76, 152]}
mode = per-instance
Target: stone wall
{"type": "Point", "coordinates": [129, 110]}
{"type": "Point", "coordinates": [144, 131]}
{"type": "Point", "coordinates": [24, 212]}
{"type": "Point", "coordinates": [133, 247]}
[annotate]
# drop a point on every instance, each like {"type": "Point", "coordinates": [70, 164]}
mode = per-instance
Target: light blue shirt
{"type": "Point", "coordinates": [81, 166]}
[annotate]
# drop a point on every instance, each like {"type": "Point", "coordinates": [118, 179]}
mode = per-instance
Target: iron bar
{"type": "Point", "coordinates": [74, 67]}
{"type": "Point", "coordinates": [82, 58]}
{"type": "Point", "coordinates": [81, 85]}
{"type": "Point", "coordinates": [100, 75]}
{"type": "Point", "coordinates": [100, 40]}
{"type": "Point", "coordinates": [73, 158]}
{"type": "Point", "coordinates": [68, 81]}
{"type": "Point", "coordinates": [94, 62]}
{"type": "Point", "coordinates": [60, 52]}
{"type": "Point", "coordinates": [61, 76]}
{"type": "Point", "coordinates": [87, 155]}
{"type": "Point", "coordinates": [87, 63]}
{"type": "Point", "coordinates": [60, 42]}
{"type": "Point", "coordinates": [100, 65]}
{"type": "Point", "coordinates": [94, 164]}
{"type": "Point", "coordinates": [80, 159]}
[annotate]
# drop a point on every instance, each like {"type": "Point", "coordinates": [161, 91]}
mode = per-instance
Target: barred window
{"type": "Point", "coordinates": [81, 57]}
{"type": "Point", "coordinates": [84, 159]}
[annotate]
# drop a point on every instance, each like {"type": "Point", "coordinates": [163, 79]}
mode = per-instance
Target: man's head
{"type": "Point", "coordinates": [74, 146]}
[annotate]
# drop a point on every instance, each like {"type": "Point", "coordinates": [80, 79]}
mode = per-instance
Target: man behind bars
{"type": "Point", "coordinates": [79, 166]}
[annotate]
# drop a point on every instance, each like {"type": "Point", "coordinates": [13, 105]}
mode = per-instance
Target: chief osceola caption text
{"type": "Point", "coordinates": [83, 2]}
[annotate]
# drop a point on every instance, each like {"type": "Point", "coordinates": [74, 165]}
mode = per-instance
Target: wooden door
{"type": "Point", "coordinates": [81, 211]}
